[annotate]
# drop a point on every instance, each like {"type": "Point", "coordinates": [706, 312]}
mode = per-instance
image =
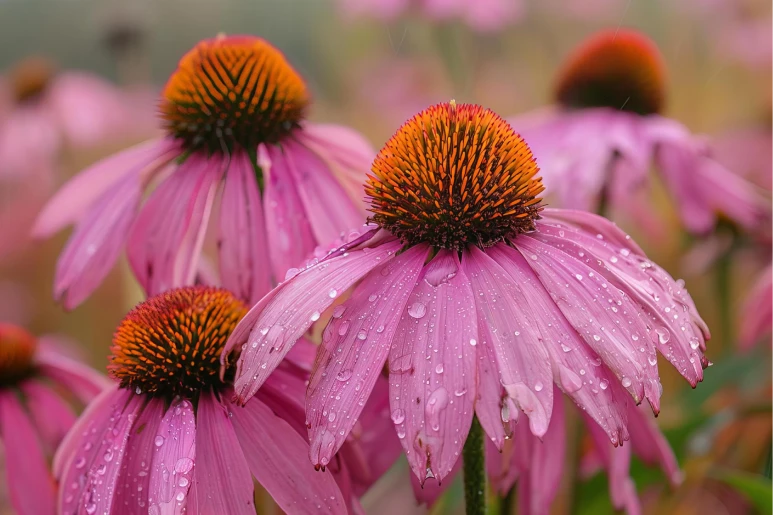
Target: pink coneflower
{"type": "Point", "coordinates": [597, 144]}
{"type": "Point", "coordinates": [37, 384]}
{"type": "Point", "coordinates": [476, 298]}
{"type": "Point", "coordinates": [481, 15]}
{"type": "Point", "coordinates": [756, 319]}
{"type": "Point", "coordinates": [168, 439]}
{"type": "Point", "coordinates": [234, 116]}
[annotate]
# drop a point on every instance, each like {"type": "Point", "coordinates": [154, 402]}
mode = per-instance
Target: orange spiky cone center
{"type": "Point", "coordinates": [453, 176]}
{"type": "Point", "coordinates": [617, 69]}
{"type": "Point", "coordinates": [171, 343]}
{"type": "Point", "coordinates": [17, 349]}
{"type": "Point", "coordinates": [233, 90]}
{"type": "Point", "coordinates": [30, 78]}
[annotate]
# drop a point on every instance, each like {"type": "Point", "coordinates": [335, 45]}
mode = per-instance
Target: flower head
{"type": "Point", "coordinates": [481, 321]}
{"type": "Point", "coordinates": [234, 113]}
{"type": "Point", "coordinates": [166, 437]}
{"type": "Point", "coordinates": [597, 144]}
{"type": "Point", "coordinates": [38, 385]}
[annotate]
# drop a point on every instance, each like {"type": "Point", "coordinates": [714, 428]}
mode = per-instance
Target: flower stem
{"type": "Point", "coordinates": [474, 459]}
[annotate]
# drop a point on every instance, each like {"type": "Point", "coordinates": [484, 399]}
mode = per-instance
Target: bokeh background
{"type": "Point", "coordinates": [372, 74]}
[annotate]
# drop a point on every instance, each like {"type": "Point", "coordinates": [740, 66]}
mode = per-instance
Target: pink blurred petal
{"type": "Point", "coordinates": [432, 368]}
{"type": "Point", "coordinates": [524, 364]}
{"type": "Point", "coordinates": [650, 445]}
{"type": "Point", "coordinates": [222, 479]}
{"type": "Point", "coordinates": [29, 482]}
{"type": "Point", "coordinates": [29, 143]}
{"type": "Point", "coordinates": [166, 238]}
{"type": "Point", "coordinates": [501, 465]}
{"type": "Point", "coordinates": [245, 266]}
{"type": "Point", "coordinates": [757, 313]}
{"type": "Point", "coordinates": [74, 198]}
{"type": "Point", "coordinates": [569, 354]}
{"type": "Point", "coordinates": [290, 236]}
{"type": "Point", "coordinates": [278, 458]}
{"type": "Point", "coordinates": [171, 468]}
{"type": "Point", "coordinates": [132, 490]}
{"type": "Point", "coordinates": [493, 15]}
{"type": "Point", "coordinates": [51, 415]}
{"type": "Point", "coordinates": [96, 243]}
{"type": "Point", "coordinates": [328, 208]}
{"type": "Point", "coordinates": [83, 381]}
{"type": "Point", "coordinates": [575, 284]}
{"type": "Point", "coordinates": [284, 315]}
{"type": "Point", "coordinates": [355, 345]}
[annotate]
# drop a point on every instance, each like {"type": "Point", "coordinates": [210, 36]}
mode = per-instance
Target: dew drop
{"type": "Point", "coordinates": [538, 386]}
{"type": "Point", "coordinates": [338, 311]}
{"type": "Point", "coordinates": [344, 375]}
{"type": "Point", "coordinates": [343, 328]}
{"type": "Point", "coordinates": [332, 293]}
{"type": "Point", "coordinates": [603, 384]}
{"type": "Point", "coordinates": [626, 382]}
{"type": "Point", "coordinates": [473, 342]}
{"type": "Point", "coordinates": [159, 441]}
{"type": "Point", "coordinates": [439, 369]}
{"type": "Point", "coordinates": [315, 316]}
{"type": "Point", "coordinates": [398, 416]}
{"type": "Point", "coordinates": [417, 310]}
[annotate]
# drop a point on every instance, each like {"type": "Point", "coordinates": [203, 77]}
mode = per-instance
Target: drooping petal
{"type": "Point", "coordinates": [51, 414]}
{"type": "Point", "coordinates": [679, 332]}
{"type": "Point", "coordinates": [651, 446]}
{"type": "Point", "coordinates": [96, 472]}
{"type": "Point", "coordinates": [172, 463]}
{"type": "Point", "coordinates": [166, 238]}
{"type": "Point", "coordinates": [290, 237]}
{"type": "Point", "coordinates": [132, 489]}
{"type": "Point", "coordinates": [500, 464]}
{"type": "Point", "coordinates": [276, 322]}
{"type": "Point", "coordinates": [757, 312]}
{"type": "Point", "coordinates": [79, 194]}
{"type": "Point", "coordinates": [222, 479]}
{"type": "Point", "coordinates": [30, 485]}
{"type": "Point", "coordinates": [430, 491]}
{"type": "Point", "coordinates": [606, 319]}
{"type": "Point", "coordinates": [354, 348]}
{"type": "Point", "coordinates": [577, 370]}
{"type": "Point", "coordinates": [505, 320]}
{"type": "Point", "coordinates": [432, 368]}
{"type": "Point", "coordinates": [328, 208]}
{"type": "Point", "coordinates": [245, 266]}
{"type": "Point", "coordinates": [278, 458]}
{"type": "Point", "coordinates": [539, 483]}
{"type": "Point", "coordinates": [75, 377]}
{"type": "Point", "coordinates": [496, 411]}
{"type": "Point", "coordinates": [96, 243]}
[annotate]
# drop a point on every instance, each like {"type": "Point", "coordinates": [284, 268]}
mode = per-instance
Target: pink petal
{"type": "Point", "coordinates": [757, 313]}
{"type": "Point", "coordinates": [245, 267]}
{"type": "Point", "coordinates": [30, 484]}
{"type": "Point", "coordinates": [432, 368]}
{"type": "Point", "coordinates": [539, 483]}
{"type": "Point", "coordinates": [651, 446]}
{"type": "Point", "coordinates": [166, 239]}
{"type": "Point", "coordinates": [429, 492]}
{"type": "Point", "coordinates": [577, 370]}
{"type": "Point", "coordinates": [97, 242]}
{"type": "Point", "coordinates": [132, 490]}
{"type": "Point", "coordinates": [505, 320]}
{"type": "Point", "coordinates": [284, 315]}
{"type": "Point", "coordinates": [587, 302]}
{"type": "Point", "coordinates": [495, 410]}
{"type": "Point", "coordinates": [354, 348]}
{"type": "Point", "coordinates": [222, 480]}
{"type": "Point", "coordinates": [95, 470]}
{"type": "Point", "coordinates": [171, 468]}
{"type": "Point", "coordinates": [79, 194]}
{"type": "Point", "coordinates": [278, 458]}
{"type": "Point", "coordinates": [329, 210]}
{"type": "Point", "coordinates": [51, 415]}
{"type": "Point", "coordinates": [501, 465]}
{"type": "Point", "coordinates": [346, 152]}
{"type": "Point", "coordinates": [83, 381]}
{"type": "Point", "coordinates": [290, 236]}
{"type": "Point", "coordinates": [680, 334]}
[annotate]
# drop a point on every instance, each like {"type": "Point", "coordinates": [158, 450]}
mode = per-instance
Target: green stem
{"type": "Point", "coordinates": [474, 460]}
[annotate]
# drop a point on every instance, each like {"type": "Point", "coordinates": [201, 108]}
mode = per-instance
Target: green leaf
{"type": "Point", "coordinates": [754, 487]}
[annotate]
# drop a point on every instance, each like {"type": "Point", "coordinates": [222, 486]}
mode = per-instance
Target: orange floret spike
{"type": "Point", "coordinates": [17, 349]}
{"type": "Point", "coordinates": [171, 343]}
{"type": "Point", "coordinates": [620, 69]}
{"type": "Point", "coordinates": [233, 89]}
{"type": "Point", "coordinates": [455, 175]}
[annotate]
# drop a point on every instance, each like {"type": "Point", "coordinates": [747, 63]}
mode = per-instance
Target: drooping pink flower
{"type": "Point", "coordinates": [234, 116]}
{"type": "Point", "coordinates": [476, 298]}
{"type": "Point", "coordinates": [481, 15]}
{"type": "Point", "coordinates": [37, 386]}
{"type": "Point", "coordinates": [756, 320]}
{"type": "Point", "coordinates": [597, 144]}
{"type": "Point", "coordinates": [167, 439]}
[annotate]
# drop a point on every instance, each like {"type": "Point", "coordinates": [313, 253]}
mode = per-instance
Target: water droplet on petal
{"type": "Point", "coordinates": [343, 328]}
{"type": "Point", "coordinates": [159, 441]}
{"type": "Point", "coordinates": [417, 310]}
{"type": "Point", "coordinates": [332, 293]}
{"type": "Point", "coordinates": [473, 342]}
{"type": "Point", "coordinates": [398, 416]}
{"type": "Point", "coordinates": [626, 382]}
{"type": "Point", "coordinates": [603, 384]}
{"type": "Point", "coordinates": [315, 316]}
{"type": "Point", "coordinates": [338, 311]}
{"type": "Point", "coordinates": [344, 375]}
